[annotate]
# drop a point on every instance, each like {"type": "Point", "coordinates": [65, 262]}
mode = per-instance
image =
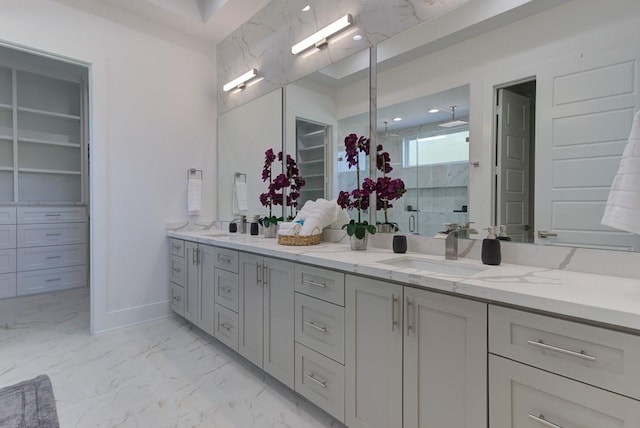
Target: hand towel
{"type": "Point", "coordinates": [240, 204]}
{"type": "Point", "coordinates": [623, 205]}
{"type": "Point", "coordinates": [194, 196]}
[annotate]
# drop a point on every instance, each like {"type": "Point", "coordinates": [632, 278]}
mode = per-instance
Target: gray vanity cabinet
{"type": "Point", "coordinates": [199, 286]}
{"type": "Point", "coordinates": [266, 315]}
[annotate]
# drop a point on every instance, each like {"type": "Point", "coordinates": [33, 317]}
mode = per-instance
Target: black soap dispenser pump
{"type": "Point", "coordinates": [491, 249]}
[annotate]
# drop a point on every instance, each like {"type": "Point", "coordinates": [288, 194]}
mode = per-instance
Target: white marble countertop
{"type": "Point", "coordinates": [599, 298]}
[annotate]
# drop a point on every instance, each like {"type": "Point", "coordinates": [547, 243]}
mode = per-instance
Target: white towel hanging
{"type": "Point", "coordinates": [194, 196]}
{"type": "Point", "coordinates": [240, 203]}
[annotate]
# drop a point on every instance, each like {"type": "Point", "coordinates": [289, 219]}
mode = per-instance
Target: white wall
{"type": "Point", "coordinates": [153, 115]}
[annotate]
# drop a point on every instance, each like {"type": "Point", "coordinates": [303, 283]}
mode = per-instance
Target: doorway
{"type": "Point", "coordinates": [514, 179]}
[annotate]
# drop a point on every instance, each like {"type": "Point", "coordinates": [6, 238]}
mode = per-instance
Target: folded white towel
{"type": "Point", "coordinates": [623, 205]}
{"type": "Point", "coordinates": [194, 196]}
{"type": "Point", "coordinates": [240, 202]}
{"type": "Point", "coordinates": [317, 215]}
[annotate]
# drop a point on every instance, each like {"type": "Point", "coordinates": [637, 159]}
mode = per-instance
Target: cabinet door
{"type": "Point", "coordinates": [445, 361]}
{"type": "Point", "coordinates": [373, 353]}
{"type": "Point", "coordinates": [279, 320]}
{"type": "Point", "coordinates": [206, 257]}
{"type": "Point", "coordinates": [250, 308]}
{"type": "Point", "coordinates": [192, 282]}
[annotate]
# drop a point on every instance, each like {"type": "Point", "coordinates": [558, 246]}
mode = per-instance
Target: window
{"type": "Point", "coordinates": [434, 149]}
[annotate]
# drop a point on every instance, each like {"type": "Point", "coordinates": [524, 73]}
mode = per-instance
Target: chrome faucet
{"type": "Point", "coordinates": [451, 242]}
{"type": "Point", "coordinates": [465, 230]}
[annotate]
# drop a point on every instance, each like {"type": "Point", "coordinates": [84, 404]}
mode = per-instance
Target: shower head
{"type": "Point", "coordinates": [453, 123]}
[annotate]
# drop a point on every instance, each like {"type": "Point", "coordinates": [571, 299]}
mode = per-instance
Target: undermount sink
{"type": "Point", "coordinates": [448, 267]}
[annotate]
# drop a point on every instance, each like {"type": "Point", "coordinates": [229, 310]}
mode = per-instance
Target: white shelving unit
{"type": "Point", "coordinates": [311, 146]}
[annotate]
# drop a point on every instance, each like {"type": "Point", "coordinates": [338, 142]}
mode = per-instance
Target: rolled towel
{"type": "Point", "coordinates": [194, 196]}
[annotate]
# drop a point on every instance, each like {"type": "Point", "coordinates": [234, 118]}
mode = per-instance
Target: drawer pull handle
{"type": "Point", "coordinates": [315, 284]}
{"type": "Point", "coordinates": [226, 326]}
{"type": "Point", "coordinates": [316, 326]}
{"type": "Point", "coordinates": [313, 378]}
{"type": "Point", "coordinates": [227, 290]}
{"type": "Point", "coordinates": [580, 354]}
{"type": "Point", "coordinates": [53, 215]}
{"type": "Point", "coordinates": [53, 257]}
{"type": "Point", "coordinates": [541, 420]}
{"type": "Point", "coordinates": [53, 279]}
{"type": "Point", "coordinates": [178, 270]}
{"type": "Point", "coordinates": [176, 247]}
{"type": "Point", "coordinates": [53, 234]}
{"type": "Point", "coordinates": [177, 298]}
{"type": "Point", "coordinates": [226, 260]}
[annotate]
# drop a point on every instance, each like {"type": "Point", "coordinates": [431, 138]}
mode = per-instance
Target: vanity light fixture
{"type": "Point", "coordinates": [240, 81]}
{"type": "Point", "coordinates": [319, 38]}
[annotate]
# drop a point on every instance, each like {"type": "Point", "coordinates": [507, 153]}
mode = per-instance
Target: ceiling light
{"type": "Point", "coordinates": [307, 8]}
{"type": "Point", "coordinates": [320, 37]}
{"type": "Point", "coordinates": [240, 81]}
{"type": "Point", "coordinates": [453, 121]}
{"type": "Point", "coordinates": [357, 37]}
{"type": "Point", "coordinates": [434, 110]}
{"type": "Point", "coordinates": [397, 119]}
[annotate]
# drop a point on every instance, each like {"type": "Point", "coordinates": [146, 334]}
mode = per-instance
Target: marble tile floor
{"type": "Point", "coordinates": [159, 374]}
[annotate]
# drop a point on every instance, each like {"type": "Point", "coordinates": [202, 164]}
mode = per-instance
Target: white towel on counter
{"type": "Point", "coordinates": [240, 203]}
{"type": "Point", "coordinates": [194, 196]}
{"type": "Point", "coordinates": [623, 205]}
{"type": "Point", "coordinates": [316, 215]}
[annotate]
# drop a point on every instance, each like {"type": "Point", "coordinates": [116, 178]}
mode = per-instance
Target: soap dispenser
{"type": "Point", "coordinates": [502, 236]}
{"type": "Point", "coordinates": [491, 249]}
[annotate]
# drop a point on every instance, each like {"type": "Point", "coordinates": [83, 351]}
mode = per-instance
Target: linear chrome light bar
{"type": "Point", "coordinates": [320, 37]}
{"type": "Point", "coordinates": [240, 81]}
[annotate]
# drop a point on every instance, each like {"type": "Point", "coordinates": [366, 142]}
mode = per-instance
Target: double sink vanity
{"type": "Point", "coordinates": [378, 339]}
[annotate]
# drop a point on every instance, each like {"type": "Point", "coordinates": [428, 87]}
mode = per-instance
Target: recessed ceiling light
{"type": "Point", "coordinates": [357, 37]}
{"type": "Point", "coordinates": [397, 119]}
{"type": "Point", "coordinates": [434, 110]}
{"type": "Point", "coordinates": [307, 8]}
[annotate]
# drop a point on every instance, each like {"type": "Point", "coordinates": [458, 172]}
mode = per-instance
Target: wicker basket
{"type": "Point", "coordinates": [299, 240]}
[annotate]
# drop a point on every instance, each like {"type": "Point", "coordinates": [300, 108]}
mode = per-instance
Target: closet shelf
{"type": "Point", "coordinates": [312, 189]}
{"type": "Point", "coordinates": [312, 148]}
{"type": "Point", "coordinates": [48, 171]}
{"type": "Point", "coordinates": [313, 175]}
{"type": "Point", "coordinates": [311, 162]}
{"type": "Point", "coordinates": [313, 133]}
{"type": "Point", "coordinates": [6, 168]}
{"type": "Point", "coordinates": [48, 113]}
{"type": "Point", "coordinates": [49, 142]}
{"type": "Point", "coordinates": [6, 106]}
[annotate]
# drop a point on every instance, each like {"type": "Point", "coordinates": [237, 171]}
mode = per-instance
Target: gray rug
{"type": "Point", "coordinates": [28, 404]}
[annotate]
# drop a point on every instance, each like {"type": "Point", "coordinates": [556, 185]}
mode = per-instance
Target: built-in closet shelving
{"type": "Point", "coordinates": [311, 144]}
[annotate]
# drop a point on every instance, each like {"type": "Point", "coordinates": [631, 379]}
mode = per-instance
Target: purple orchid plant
{"type": "Point", "coordinates": [275, 194]}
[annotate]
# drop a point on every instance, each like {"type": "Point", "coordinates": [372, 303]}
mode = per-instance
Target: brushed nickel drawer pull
{"type": "Point", "coordinates": [53, 215]}
{"type": "Point", "coordinates": [410, 319]}
{"type": "Point", "coordinates": [394, 322]}
{"type": "Point", "coordinates": [226, 289]}
{"type": "Point", "coordinates": [313, 378]}
{"type": "Point", "coordinates": [316, 326]}
{"type": "Point", "coordinates": [315, 284]}
{"type": "Point", "coordinates": [53, 257]}
{"type": "Point", "coordinates": [53, 234]}
{"type": "Point", "coordinates": [582, 355]}
{"type": "Point", "coordinates": [177, 298]}
{"type": "Point", "coordinates": [225, 260]}
{"type": "Point", "coordinates": [178, 270]}
{"type": "Point", "coordinates": [226, 326]}
{"type": "Point", "coordinates": [541, 420]}
{"type": "Point", "coordinates": [53, 280]}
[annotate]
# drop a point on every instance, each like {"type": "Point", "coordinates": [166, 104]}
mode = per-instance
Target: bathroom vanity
{"type": "Point", "coordinates": [378, 339]}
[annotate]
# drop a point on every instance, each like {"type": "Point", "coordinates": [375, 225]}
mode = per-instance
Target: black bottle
{"type": "Point", "coordinates": [491, 249]}
{"type": "Point", "coordinates": [254, 228]}
{"type": "Point", "coordinates": [399, 244]}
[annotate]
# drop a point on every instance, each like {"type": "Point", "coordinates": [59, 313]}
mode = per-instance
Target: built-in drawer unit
{"type": "Point", "coordinates": [7, 261]}
{"type": "Point", "coordinates": [321, 283]}
{"type": "Point", "coordinates": [226, 289]}
{"type": "Point", "coordinates": [7, 285]}
{"type": "Point", "coordinates": [7, 215]}
{"type": "Point", "coordinates": [39, 235]}
{"type": "Point", "coordinates": [40, 281]}
{"type": "Point", "coordinates": [226, 259]}
{"type": "Point", "coordinates": [226, 326]}
{"type": "Point", "coordinates": [523, 396]}
{"type": "Point", "coordinates": [320, 380]}
{"type": "Point", "coordinates": [177, 273]}
{"type": "Point", "coordinates": [35, 258]}
{"type": "Point", "coordinates": [31, 215]}
{"type": "Point", "coordinates": [320, 326]}
{"type": "Point", "coordinates": [177, 299]}
{"type": "Point", "coordinates": [7, 236]}
{"type": "Point", "coordinates": [598, 356]}
{"type": "Point", "coordinates": [176, 247]}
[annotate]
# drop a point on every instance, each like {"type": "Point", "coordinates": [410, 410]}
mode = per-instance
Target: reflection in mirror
{"type": "Point", "coordinates": [427, 139]}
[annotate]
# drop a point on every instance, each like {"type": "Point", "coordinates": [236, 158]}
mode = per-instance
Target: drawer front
{"type": "Point", "coordinates": [226, 259]}
{"type": "Point", "coordinates": [39, 235]}
{"type": "Point", "coordinates": [600, 357]}
{"type": "Point", "coordinates": [41, 281]}
{"type": "Point", "coordinates": [7, 215]}
{"type": "Point", "coordinates": [320, 380]}
{"type": "Point", "coordinates": [176, 247]}
{"type": "Point", "coordinates": [7, 285]}
{"type": "Point", "coordinates": [522, 396]}
{"type": "Point", "coordinates": [177, 273]}
{"type": "Point", "coordinates": [32, 215]}
{"type": "Point", "coordinates": [321, 283]}
{"type": "Point", "coordinates": [320, 326]}
{"type": "Point", "coordinates": [51, 257]}
{"type": "Point", "coordinates": [7, 261]}
{"type": "Point", "coordinates": [177, 299]}
{"type": "Point", "coordinates": [226, 289]}
{"type": "Point", "coordinates": [7, 236]}
{"type": "Point", "coordinates": [226, 327]}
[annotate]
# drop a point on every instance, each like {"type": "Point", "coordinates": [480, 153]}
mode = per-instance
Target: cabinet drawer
{"type": "Point", "coordinates": [177, 299]}
{"type": "Point", "coordinates": [7, 236]}
{"type": "Point", "coordinates": [7, 261]}
{"type": "Point", "coordinates": [320, 326]}
{"type": "Point", "coordinates": [226, 327]}
{"type": "Point", "coordinates": [40, 281]}
{"type": "Point", "coordinates": [176, 247]}
{"type": "Point", "coordinates": [601, 357]}
{"type": "Point", "coordinates": [177, 273]}
{"type": "Point", "coordinates": [324, 284]}
{"type": "Point", "coordinates": [38, 235]}
{"type": "Point", "coordinates": [226, 259]}
{"type": "Point", "coordinates": [31, 215]}
{"type": "Point", "coordinates": [522, 396]}
{"type": "Point", "coordinates": [320, 380]}
{"type": "Point", "coordinates": [7, 215]}
{"type": "Point", "coordinates": [7, 285]}
{"type": "Point", "coordinates": [226, 289]}
{"type": "Point", "coordinates": [51, 257]}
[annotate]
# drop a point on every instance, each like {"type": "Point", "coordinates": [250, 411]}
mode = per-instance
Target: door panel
{"type": "Point", "coordinates": [192, 282]}
{"type": "Point", "coordinates": [251, 310]}
{"type": "Point", "coordinates": [207, 279]}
